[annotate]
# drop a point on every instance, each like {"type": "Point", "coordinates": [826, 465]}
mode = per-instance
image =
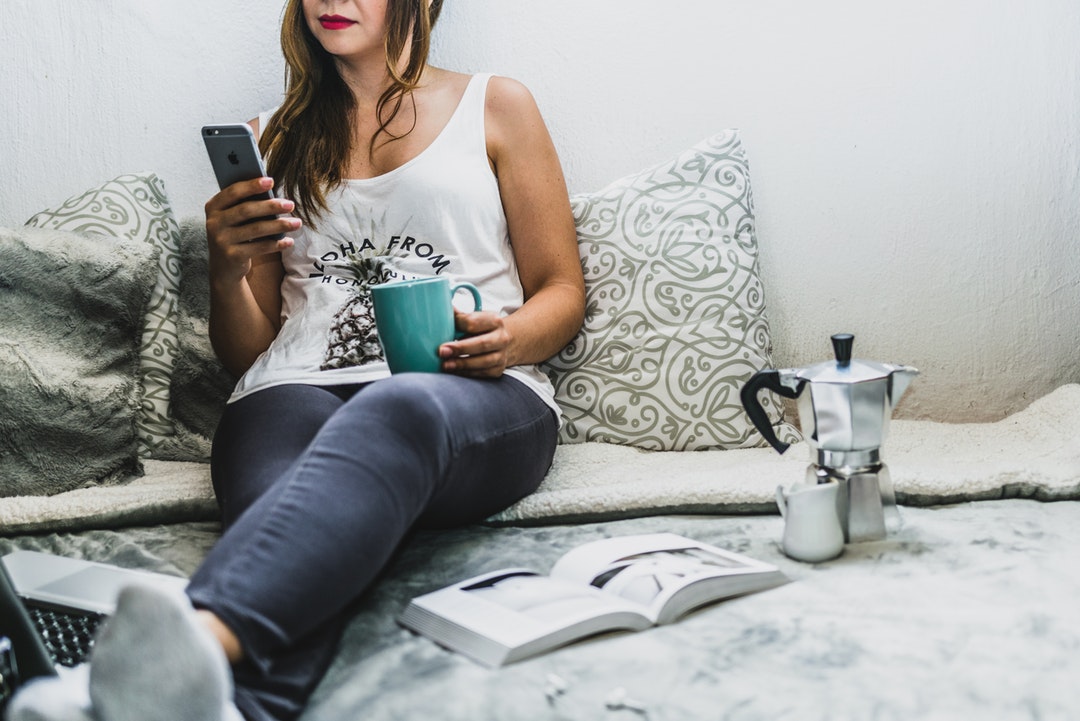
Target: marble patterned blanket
{"type": "Point", "coordinates": [968, 611]}
{"type": "Point", "coordinates": [1031, 454]}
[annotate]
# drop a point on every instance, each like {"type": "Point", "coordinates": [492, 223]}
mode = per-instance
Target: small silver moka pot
{"type": "Point", "coordinates": [844, 409]}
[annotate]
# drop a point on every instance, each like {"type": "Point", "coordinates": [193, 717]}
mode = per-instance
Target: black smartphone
{"type": "Point", "coordinates": [235, 156]}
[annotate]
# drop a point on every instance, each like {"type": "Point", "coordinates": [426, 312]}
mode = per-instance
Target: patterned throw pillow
{"type": "Point", "coordinates": [136, 207]}
{"type": "Point", "coordinates": [675, 312]}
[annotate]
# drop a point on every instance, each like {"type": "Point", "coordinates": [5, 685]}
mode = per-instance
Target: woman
{"type": "Point", "coordinates": [323, 461]}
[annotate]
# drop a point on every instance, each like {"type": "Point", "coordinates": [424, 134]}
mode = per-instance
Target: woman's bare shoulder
{"type": "Point", "coordinates": [511, 116]}
{"type": "Point", "coordinates": [509, 96]}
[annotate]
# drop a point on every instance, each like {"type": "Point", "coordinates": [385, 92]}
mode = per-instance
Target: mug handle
{"type": "Point", "coordinates": [477, 302]}
{"type": "Point", "coordinates": [781, 503]}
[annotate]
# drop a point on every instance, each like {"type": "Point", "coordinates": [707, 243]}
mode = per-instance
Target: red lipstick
{"type": "Point", "coordinates": [335, 22]}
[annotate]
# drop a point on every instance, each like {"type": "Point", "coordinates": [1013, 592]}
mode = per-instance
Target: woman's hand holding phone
{"type": "Point", "coordinates": [241, 225]}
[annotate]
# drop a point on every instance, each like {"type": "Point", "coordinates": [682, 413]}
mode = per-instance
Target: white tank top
{"type": "Point", "coordinates": [440, 214]}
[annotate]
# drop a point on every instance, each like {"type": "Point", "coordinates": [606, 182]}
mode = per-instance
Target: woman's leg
{"type": "Point", "coordinates": [431, 448]}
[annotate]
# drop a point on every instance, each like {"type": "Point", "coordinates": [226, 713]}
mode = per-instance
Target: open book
{"type": "Point", "coordinates": [622, 583]}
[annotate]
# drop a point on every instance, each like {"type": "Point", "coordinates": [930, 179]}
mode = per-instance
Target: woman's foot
{"type": "Point", "coordinates": [154, 660]}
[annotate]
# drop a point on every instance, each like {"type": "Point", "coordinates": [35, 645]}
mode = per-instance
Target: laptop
{"type": "Point", "coordinates": [67, 598]}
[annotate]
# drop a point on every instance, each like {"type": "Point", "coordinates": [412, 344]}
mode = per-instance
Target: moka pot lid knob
{"type": "Point", "coordinates": [845, 369]}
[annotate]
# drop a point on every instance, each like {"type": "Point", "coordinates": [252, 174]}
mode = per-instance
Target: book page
{"type": "Point", "coordinates": [653, 569]}
{"type": "Point", "coordinates": [643, 577]}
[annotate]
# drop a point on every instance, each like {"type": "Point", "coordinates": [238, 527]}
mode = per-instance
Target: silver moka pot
{"type": "Point", "coordinates": [844, 409]}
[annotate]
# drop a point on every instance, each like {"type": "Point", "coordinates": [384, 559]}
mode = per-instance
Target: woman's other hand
{"type": "Point", "coordinates": [484, 352]}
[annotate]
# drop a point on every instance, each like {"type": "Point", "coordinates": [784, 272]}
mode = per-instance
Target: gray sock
{"type": "Point", "coordinates": [64, 697]}
{"type": "Point", "coordinates": [154, 660]}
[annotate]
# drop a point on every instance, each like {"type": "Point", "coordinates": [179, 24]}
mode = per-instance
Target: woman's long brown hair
{"type": "Point", "coordinates": [308, 140]}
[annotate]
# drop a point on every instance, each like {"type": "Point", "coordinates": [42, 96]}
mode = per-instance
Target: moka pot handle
{"type": "Point", "coordinates": [766, 379]}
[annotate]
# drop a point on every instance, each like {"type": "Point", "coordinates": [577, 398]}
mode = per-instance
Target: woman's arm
{"type": "Point", "coordinates": [245, 312]}
{"type": "Point", "coordinates": [543, 237]}
{"type": "Point", "coordinates": [245, 273]}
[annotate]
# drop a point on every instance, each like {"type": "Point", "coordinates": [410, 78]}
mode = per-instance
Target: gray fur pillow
{"type": "Point", "coordinates": [71, 314]}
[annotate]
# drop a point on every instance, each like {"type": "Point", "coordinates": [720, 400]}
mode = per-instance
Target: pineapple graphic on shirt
{"type": "Point", "coordinates": [353, 338]}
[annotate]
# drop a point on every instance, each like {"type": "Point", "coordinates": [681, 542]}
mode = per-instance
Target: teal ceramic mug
{"type": "Point", "coordinates": [414, 318]}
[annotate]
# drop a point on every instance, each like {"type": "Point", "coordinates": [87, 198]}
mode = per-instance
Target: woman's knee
{"type": "Point", "coordinates": [413, 403]}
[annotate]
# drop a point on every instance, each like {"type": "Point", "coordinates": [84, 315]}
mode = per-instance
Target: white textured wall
{"type": "Point", "coordinates": [916, 167]}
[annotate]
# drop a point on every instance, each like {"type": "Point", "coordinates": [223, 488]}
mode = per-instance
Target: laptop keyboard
{"type": "Point", "coordinates": [68, 636]}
